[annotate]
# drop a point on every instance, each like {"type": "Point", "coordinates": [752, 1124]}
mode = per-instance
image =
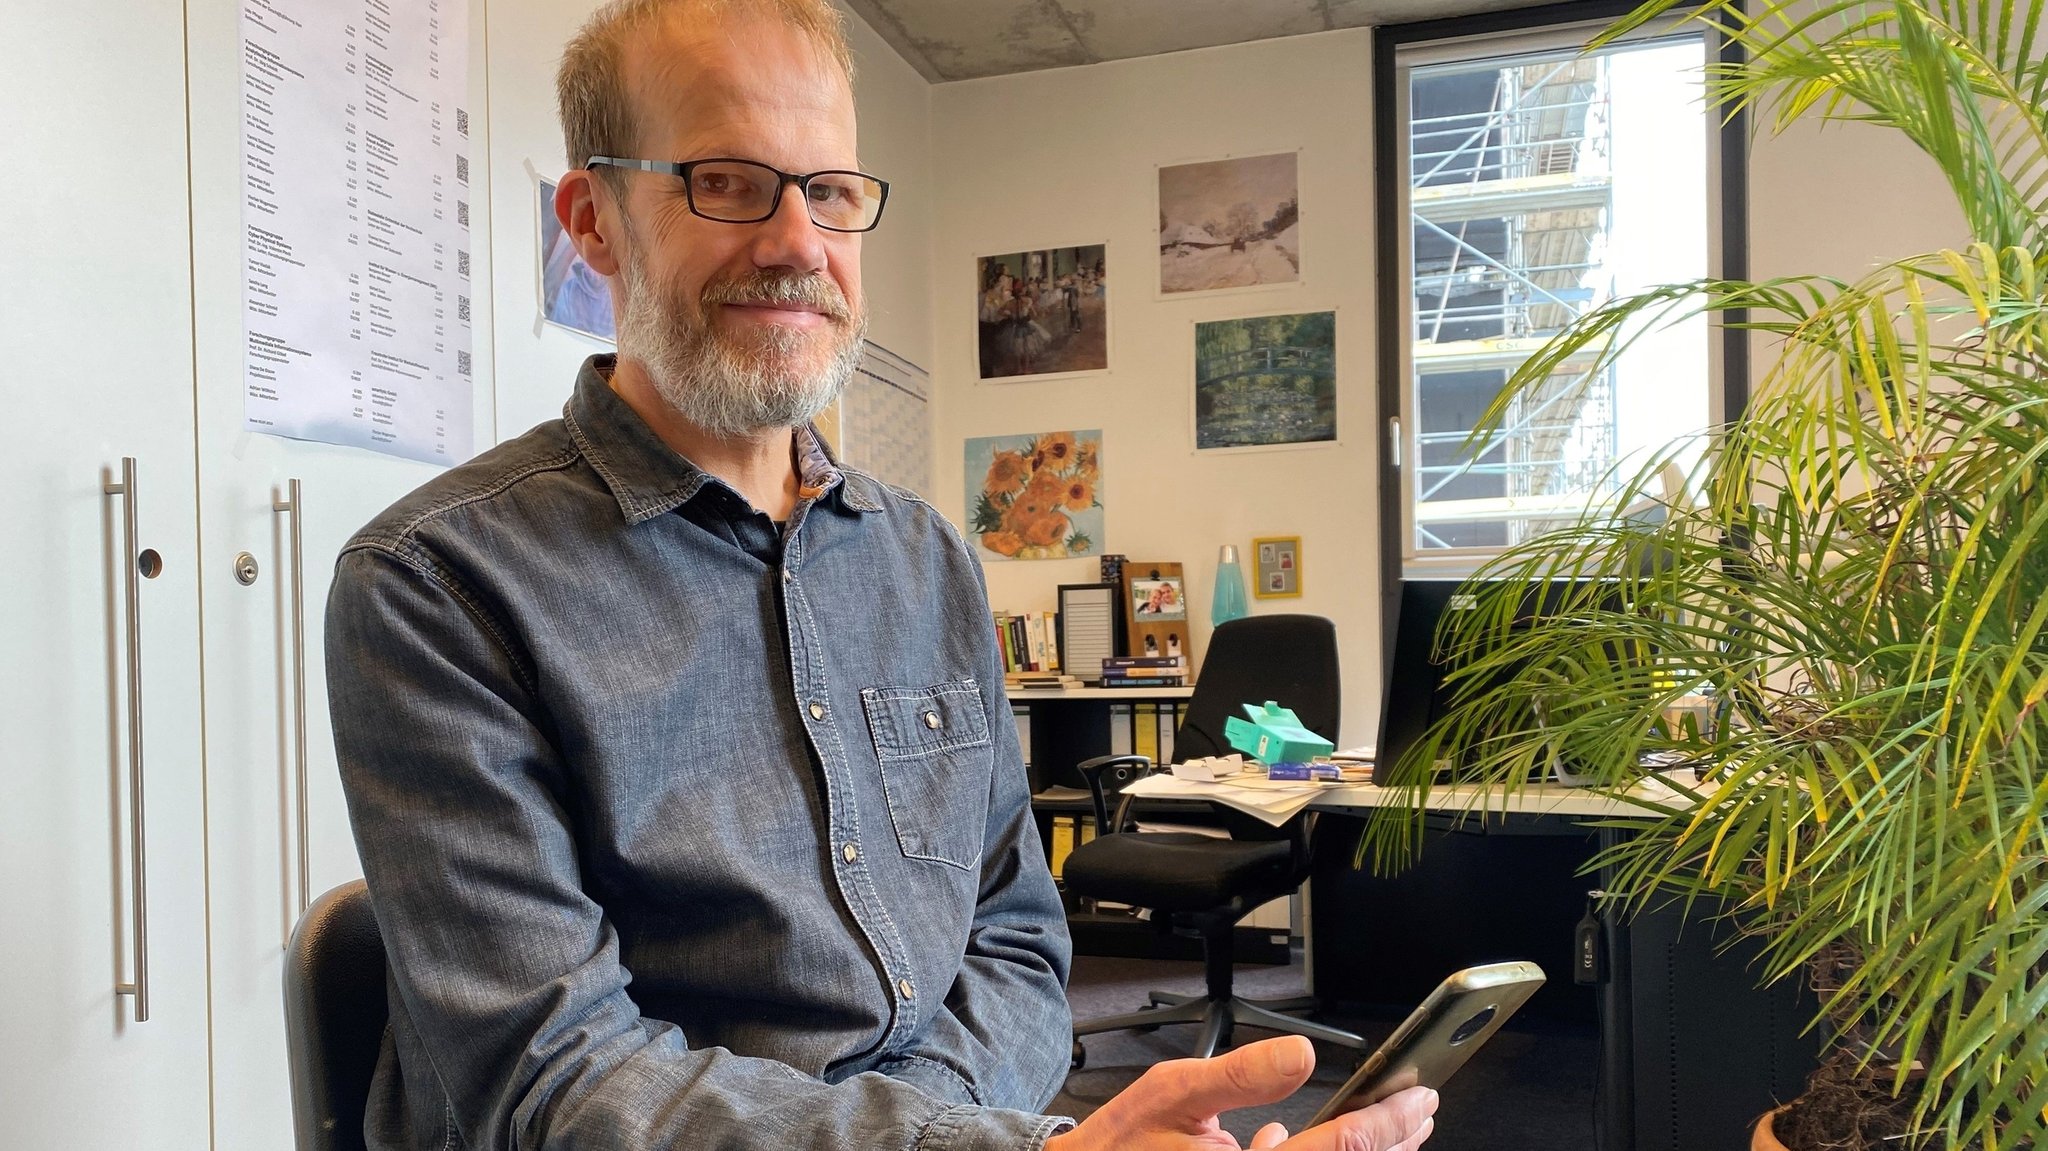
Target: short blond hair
{"type": "Point", "coordinates": [590, 87]}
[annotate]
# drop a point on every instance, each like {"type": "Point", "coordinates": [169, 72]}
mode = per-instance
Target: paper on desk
{"type": "Point", "coordinates": [1058, 791]}
{"type": "Point", "coordinates": [1270, 801]}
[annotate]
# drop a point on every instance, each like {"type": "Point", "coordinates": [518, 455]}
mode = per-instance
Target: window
{"type": "Point", "coordinates": [1536, 181]}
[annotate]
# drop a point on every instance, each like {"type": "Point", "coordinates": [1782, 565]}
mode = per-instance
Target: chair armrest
{"type": "Point", "coordinates": [1126, 767]}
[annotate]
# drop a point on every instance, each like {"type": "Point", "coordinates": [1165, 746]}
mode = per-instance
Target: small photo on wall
{"type": "Point", "coordinates": [1266, 380]}
{"type": "Point", "coordinates": [1279, 574]}
{"type": "Point", "coordinates": [1035, 497]}
{"type": "Point", "coordinates": [1043, 312]}
{"type": "Point", "coordinates": [1229, 224]}
{"type": "Point", "coordinates": [572, 295]}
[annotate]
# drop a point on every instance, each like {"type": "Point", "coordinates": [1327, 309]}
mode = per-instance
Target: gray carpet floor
{"type": "Point", "coordinates": [1529, 1089]}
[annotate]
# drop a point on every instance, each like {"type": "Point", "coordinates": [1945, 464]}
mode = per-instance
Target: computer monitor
{"type": "Point", "coordinates": [1416, 696]}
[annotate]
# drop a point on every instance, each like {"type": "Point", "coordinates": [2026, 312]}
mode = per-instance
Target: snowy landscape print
{"type": "Point", "coordinates": [1229, 224]}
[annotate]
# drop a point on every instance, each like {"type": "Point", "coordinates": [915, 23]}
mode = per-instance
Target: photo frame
{"type": "Point", "coordinates": [1089, 623]}
{"type": "Point", "coordinates": [1155, 633]}
{"type": "Point", "coordinates": [1159, 599]}
{"type": "Point", "coordinates": [1277, 570]}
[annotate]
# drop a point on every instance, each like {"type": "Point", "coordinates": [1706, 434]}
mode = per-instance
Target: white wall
{"type": "Point", "coordinates": [536, 363]}
{"type": "Point", "coordinates": [1066, 157]}
{"type": "Point", "coordinates": [1841, 198]}
{"type": "Point", "coordinates": [1069, 157]}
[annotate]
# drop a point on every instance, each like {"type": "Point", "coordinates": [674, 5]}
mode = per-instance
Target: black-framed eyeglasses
{"type": "Point", "coordinates": [734, 191]}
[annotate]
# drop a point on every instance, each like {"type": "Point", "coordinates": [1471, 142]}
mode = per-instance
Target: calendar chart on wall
{"type": "Point", "coordinates": [355, 224]}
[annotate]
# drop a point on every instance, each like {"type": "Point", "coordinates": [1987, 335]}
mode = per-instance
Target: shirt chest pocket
{"type": "Point", "coordinates": [936, 759]}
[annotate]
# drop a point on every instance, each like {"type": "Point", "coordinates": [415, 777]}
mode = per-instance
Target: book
{"type": "Point", "coordinates": [1119, 661]}
{"type": "Point", "coordinates": [1026, 679]}
{"type": "Point", "coordinates": [1034, 628]}
{"type": "Point", "coordinates": [1154, 672]}
{"type": "Point", "coordinates": [1002, 626]}
{"type": "Point", "coordinates": [1116, 681]}
{"type": "Point", "coordinates": [1063, 832]}
{"type": "Point", "coordinates": [1145, 730]}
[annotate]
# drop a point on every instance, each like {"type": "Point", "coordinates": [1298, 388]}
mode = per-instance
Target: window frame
{"type": "Point", "coordinates": [1397, 49]}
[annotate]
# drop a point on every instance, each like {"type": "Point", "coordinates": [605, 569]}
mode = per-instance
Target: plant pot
{"type": "Point", "coordinates": [1762, 1137]}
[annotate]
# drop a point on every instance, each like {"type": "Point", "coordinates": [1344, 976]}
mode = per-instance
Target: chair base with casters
{"type": "Point", "coordinates": [1219, 1011]}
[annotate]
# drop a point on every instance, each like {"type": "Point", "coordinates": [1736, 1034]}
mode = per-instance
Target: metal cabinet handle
{"type": "Point", "coordinates": [292, 506]}
{"type": "Point", "coordinates": [138, 835]}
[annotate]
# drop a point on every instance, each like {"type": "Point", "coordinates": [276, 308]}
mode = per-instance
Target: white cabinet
{"type": "Point", "coordinates": [262, 868]}
{"type": "Point", "coordinates": [96, 365]}
{"type": "Point", "coordinates": [121, 336]}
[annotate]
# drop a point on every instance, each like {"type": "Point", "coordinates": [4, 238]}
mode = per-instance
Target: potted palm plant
{"type": "Point", "coordinates": [1855, 576]}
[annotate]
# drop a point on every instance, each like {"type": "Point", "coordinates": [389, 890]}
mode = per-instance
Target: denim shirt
{"type": "Point", "coordinates": [678, 843]}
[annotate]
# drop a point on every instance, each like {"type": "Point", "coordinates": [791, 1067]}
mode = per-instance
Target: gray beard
{"type": "Point", "coordinates": [723, 388]}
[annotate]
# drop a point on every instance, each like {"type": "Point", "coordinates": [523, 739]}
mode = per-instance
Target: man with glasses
{"type": "Point", "coordinates": [677, 753]}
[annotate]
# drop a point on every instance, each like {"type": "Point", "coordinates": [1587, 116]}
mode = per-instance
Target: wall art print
{"type": "Point", "coordinates": [571, 293]}
{"type": "Point", "coordinates": [1035, 497]}
{"type": "Point", "coordinates": [1229, 224]}
{"type": "Point", "coordinates": [1266, 380]}
{"type": "Point", "coordinates": [1042, 312]}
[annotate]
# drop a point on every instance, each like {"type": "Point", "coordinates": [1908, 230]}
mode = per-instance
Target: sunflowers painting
{"type": "Point", "coordinates": [1036, 497]}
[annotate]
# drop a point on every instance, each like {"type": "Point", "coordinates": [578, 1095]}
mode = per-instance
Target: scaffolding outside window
{"type": "Point", "coordinates": [1543, 181]}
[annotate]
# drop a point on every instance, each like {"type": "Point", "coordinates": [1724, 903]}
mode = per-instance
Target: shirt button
{"type": "Point", "coordinates": [849, 853]}
{"type": "Point", "coordinates": [817, 710]}
{"type": "Point", "coordinates": [908, 991]}
{"type": "Point", "coordinates": [931, 720]}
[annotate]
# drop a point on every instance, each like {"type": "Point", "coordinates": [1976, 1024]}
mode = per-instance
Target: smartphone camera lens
{"type": "Point", "coordinates": [1472, 1026]}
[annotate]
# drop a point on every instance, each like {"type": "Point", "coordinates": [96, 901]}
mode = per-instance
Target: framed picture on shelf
{"type": "Point", "coordinates": [1155, 610]}
{"type": "Point", "coordinates": [1279, 567]}
{"type": "Point", "coordinates": [1159, 598]}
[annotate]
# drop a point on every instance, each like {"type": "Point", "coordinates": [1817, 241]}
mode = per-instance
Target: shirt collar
{"type": "Point", "coordinates": [649, 478]}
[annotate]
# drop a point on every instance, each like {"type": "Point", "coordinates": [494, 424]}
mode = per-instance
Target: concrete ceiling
{"type": "Point", "coordinates": [964, 39]}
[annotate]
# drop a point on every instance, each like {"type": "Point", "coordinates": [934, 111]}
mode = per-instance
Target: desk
{"type": "Point", "coordinates": [1362, 798]}
{"type": "Point", "coordinates": [1714, 1052]}
{"type": "Point", "coordinates": [1071, 724]}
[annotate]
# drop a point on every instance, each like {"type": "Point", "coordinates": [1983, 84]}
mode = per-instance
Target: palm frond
{"type": "Point", "coordinates": [1858, 577]}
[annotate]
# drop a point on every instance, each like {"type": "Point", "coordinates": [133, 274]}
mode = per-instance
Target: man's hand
{"type": "Point", "coordinates": [1173, 1107]}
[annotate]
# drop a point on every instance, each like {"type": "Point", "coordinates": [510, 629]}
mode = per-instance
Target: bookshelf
{"type": "Point", "coordinates": [1060, 727]}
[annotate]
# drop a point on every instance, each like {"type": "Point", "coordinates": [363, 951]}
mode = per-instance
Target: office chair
{"type": "Point", "coordinates": [1203, 882]}
{"type": "Point", "coordinates": [334, 1017]}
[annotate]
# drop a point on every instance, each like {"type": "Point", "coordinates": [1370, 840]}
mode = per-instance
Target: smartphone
{"type": "Point", "coordinates": [1439, 1036]}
